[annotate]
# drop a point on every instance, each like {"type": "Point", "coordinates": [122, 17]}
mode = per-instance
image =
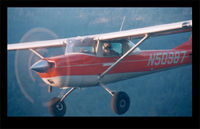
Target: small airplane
{"type": "Point", "coordinates": [96, 60]}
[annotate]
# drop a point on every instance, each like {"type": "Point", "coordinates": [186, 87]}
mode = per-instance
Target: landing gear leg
{"type": "Point", "coordinates": [120, 101]}
{"type": "Point", "coordinates": [57, 106]}
{"type": "Point", "coordinates": [50, 89]}
{"type": "Point", "coordinates": [108, 90]}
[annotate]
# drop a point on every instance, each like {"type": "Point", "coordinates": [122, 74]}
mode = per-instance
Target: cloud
{"type": "Point", "coordinates": [100, 20]}
{"type": "Point", "coordinates": [139, 18]}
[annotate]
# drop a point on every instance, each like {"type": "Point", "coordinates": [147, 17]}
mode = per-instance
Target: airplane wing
{"type": "Point", "coordinates": [37, 44]}
{"type": "Point", "coordinates": [164, 29]}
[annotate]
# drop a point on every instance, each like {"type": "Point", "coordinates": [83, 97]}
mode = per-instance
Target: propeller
{"type": "Point", "coordinates": [28, 81]}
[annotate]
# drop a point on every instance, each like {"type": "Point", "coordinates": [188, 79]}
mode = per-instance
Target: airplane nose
{"type": "Point", "coordinates": [41, 66]}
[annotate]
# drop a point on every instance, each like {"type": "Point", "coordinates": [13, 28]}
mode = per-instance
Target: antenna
{"type": "Point", "coordinates": [122, 23]}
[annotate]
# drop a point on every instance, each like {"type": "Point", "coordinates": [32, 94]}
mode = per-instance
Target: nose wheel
{"type": "Point", "coordinates": [57, 107]}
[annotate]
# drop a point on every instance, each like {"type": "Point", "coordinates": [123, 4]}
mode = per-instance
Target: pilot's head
{"type": "Point", "coordinates": [106, 47]}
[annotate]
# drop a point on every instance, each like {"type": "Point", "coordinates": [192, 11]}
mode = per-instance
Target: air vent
{"type": "Point", "coordinates": [50, 81]}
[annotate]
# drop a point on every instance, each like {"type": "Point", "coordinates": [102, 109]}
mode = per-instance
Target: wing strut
{"type": "Point", "coordinates": [122, 57]}
{"type": "Point", "coordinates": [38, 54]}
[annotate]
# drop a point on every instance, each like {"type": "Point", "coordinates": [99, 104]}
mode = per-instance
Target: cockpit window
{"type": "Point", "coordinates": [131, 44]}
{"type": "Point", "coordinates": [81, 45]}
{"type": "Point", "coordinates": [116, 48]}
{"type": "Point", "coordinates": [112, 48]}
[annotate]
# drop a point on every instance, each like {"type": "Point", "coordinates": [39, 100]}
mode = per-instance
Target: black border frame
{"type": "Point", "coordinates": [96, 122]}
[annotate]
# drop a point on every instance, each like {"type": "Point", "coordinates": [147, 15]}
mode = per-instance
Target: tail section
{"type": "Point", "coordinates": [186, 45]}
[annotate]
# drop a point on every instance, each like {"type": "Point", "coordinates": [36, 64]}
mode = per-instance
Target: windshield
{"type": "Point", "coordinates": [81, 45]}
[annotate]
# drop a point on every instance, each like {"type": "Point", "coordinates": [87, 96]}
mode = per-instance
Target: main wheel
{"type": "Point", "coordinates": [120, 103]}
{"type": "Point", "coordinates": [57, 108]}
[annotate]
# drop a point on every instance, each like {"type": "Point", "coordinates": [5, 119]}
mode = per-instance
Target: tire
{"type": "Point", "coordinates": [56, 108]}
{"type": "Point", "coordinates": [120, 103]}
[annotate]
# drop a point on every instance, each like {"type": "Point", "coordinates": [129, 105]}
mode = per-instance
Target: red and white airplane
{"type": "Point", "coordinates": [96, 60]}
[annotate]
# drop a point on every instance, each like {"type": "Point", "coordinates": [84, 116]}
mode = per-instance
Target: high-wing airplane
{"type": "Point", "coordinates": [96, 60]}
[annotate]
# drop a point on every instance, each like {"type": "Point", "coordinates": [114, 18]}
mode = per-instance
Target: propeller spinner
{"type": "Point", "coordinates": [41, 66]}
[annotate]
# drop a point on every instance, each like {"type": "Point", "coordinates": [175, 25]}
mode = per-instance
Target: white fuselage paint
{"type": "Point", "coordinates": [88, 80]}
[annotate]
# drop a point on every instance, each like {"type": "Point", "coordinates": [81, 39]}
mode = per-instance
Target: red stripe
{"type": "Point", "coordinates": [81, 64]}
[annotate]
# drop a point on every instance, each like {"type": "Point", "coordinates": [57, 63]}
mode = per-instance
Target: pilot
{"type": "Point", "coordinates": [108, 51]}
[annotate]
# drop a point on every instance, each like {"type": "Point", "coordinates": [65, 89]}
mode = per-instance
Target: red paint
{"type": "Point", "coordinates": [82, 64]}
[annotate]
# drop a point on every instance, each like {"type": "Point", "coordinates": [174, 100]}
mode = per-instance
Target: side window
{"type": "Point", "coordinates": [117, 47]}
{"type": "Point", "coordinates": [131, 44]}
{"type": "Point", "coordinates": [111, 49]}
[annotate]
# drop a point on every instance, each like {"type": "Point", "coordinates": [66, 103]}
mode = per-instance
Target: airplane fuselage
{"type": "Point", "coordinates": [82, 70]}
